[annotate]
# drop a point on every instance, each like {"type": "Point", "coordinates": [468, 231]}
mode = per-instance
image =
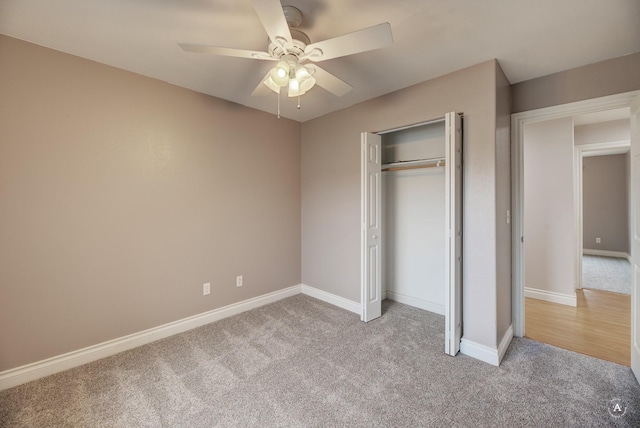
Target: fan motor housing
{"type": "Point", "coordinates": [300, 41]}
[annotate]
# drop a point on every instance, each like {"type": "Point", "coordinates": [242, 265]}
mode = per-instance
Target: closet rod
{"type": "Point", "coordinates": [401, 168]}
{"type": "Point", "coordinates": [413, 162]}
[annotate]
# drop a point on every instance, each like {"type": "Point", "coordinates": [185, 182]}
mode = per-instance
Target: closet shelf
{"type": "Point", "coordinates": [414, 164]}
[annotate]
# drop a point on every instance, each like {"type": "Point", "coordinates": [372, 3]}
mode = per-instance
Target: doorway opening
{"type": "Point", "coordinates": [603, 178]}
{"type": "Point", "coordinates": [548, 263]}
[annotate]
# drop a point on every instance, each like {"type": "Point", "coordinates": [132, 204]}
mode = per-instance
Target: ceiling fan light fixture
{"type": "Point", "coordinates": [280, 73]}
{"type": "Point", "coordinates": [305, 79]}
{"type": "Point", "coordinates": [271, 84]}
{"type": "Point", "coordinates": [294, 88]}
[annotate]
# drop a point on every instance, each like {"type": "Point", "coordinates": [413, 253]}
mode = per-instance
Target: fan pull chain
{"type": "Point", "coordinates": [298, 102]}
{"type": "Point", "coordinates": [278, 104]}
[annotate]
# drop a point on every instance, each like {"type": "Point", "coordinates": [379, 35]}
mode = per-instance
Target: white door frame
{"type": "Point", "coordinates": [582, 151]}
{"type": "Point", "coordinates": [518, 123]}
{"type": "Point", "coordinates": [634, 134]}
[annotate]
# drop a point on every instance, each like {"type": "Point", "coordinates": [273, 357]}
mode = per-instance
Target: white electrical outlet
{"type": "Point", "coordinates": [206, 288]}
{"type": "Point", "coordinates": [239, 281]}
{"type": "Point", "coordinates": [598, 241]}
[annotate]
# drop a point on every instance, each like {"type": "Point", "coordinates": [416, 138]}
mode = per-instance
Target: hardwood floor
{"type": "Point", "coordinates": [600, 326]}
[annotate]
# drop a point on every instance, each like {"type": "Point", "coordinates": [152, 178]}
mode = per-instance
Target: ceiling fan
{"type": "Point", "coordinates": [291, 48]}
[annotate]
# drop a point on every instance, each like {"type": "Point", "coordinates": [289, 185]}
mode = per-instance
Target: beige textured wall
{"type": "Point", "coordinates": [331, 187]}
{"type": "Point", "coordinates": [121, 195]}
{"type": "Point", "coordinates": [549, 216]}
{"type": "Point", "coordinates": [605, 204]}
{"type": "Point", "coordinates": [613, 76]}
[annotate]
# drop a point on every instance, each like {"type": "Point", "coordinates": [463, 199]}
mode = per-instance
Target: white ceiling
{"type": "Point", "coordinates": [530, 38]}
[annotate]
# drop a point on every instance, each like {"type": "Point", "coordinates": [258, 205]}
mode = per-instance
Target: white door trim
{"type": "Point", "coordinates": [518, 123]}
{"type": "Point", "coordinates": [634, 134]}
{"type": "Point", "coordinates": [596, 149]}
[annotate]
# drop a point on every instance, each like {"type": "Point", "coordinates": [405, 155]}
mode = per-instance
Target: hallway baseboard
{"type": "Point", "coordinates": [550, 296]}
{"type": "Point", "coordinates": [607, 253]}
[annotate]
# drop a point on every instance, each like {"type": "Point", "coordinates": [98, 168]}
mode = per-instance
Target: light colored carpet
{"type": "Point", "coordinates": [606, 273]}
{"type": "Point", "coordinates": [303, 363]}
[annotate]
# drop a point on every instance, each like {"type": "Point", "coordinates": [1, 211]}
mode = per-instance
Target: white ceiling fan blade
{"type": "Point", "coordinates": [273, 20]}
{"type": "Point", "coordinates": [216, 50]}
{"type": "Point", "coordinates": [328, 81]}
{"type": "Point", "coordinates": [364, 40]}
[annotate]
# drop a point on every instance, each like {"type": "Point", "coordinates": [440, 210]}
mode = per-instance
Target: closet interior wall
{"type": "Point", "coordinates": [413, 200]}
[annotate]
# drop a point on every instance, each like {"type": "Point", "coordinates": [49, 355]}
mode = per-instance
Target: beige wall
{"type": "Point", "coordinates": [549, 210]}
{"type": "Point", "coordinates": [605, 205]}
{"type": "Point", "coordinates": [602, 132]}
{"type": "Point", "coordinates": [613, 76]}
{"type": "Point", "coordinates": [121, 195]}
{"type": "Point", "coordinates": [331, 187]}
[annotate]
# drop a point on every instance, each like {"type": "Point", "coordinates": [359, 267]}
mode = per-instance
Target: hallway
{"type": "Point", "coordinates": [600, 326]}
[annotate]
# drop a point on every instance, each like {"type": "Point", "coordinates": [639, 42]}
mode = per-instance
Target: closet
{"type": "Point", "coordinates": [413, 198]}
{"type": "Point", "coordinates": [411, 213]}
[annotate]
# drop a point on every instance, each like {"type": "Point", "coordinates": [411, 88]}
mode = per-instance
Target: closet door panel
{"type": "Point", "coordinates": [453, 171]}
{"type": "Point", "coordinates": [371, 240]}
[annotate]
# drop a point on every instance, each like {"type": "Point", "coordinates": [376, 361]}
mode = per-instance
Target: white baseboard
{"type": "Point", "coordinates": [485, 353]}
{"type": "Point", "coordinates": [635, 361]}
{"type": "Point", "coordinates": [338, 301]}
{"type": "Point", "coordinates": [29, 372]}
{"type": "Point", "coordinates": [551, 296]}
{"type": "Point", "coordinates": [607, 253]}
{"type": "Point", "coordinates": [479, 352]}
{"type": "Point", "coordinates": [504, 343]}
{"type": "Point", "coordinates": [416, 302]}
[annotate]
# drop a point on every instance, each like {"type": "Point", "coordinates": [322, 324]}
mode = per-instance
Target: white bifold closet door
{"type": "Point", "coordinates": [453, 216]}
{"type": "Point", "coordinates": [371, 191]}
{"type": "Point", "coordinates": [371, 230]}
